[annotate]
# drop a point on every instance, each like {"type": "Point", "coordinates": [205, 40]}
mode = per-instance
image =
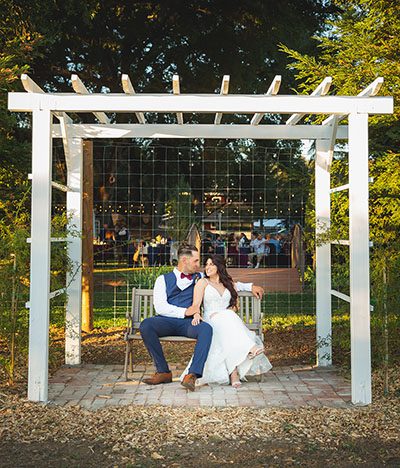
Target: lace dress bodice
{"type": "Point", "coordinates": [213, 301]}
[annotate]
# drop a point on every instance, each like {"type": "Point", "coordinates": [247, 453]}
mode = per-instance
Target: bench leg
{"type": "Point", "coordinates": [127, 352]}
{"type": "Point", "coordinates": [131, 356]}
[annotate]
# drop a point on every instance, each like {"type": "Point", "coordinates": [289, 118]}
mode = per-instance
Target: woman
{"type": "Point", "coordinates": [244, 250]}
{"type": "Point", "coordinates": [235, 350]}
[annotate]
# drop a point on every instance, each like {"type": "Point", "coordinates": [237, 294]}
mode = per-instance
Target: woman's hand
{"type": "Point", "coordinates": [196, 319]}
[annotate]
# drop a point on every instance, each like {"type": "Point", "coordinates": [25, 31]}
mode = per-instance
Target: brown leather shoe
{"type": "Point", "coordinates": [189, 382]}
{"type": "Point", "coordinates": [159, 378]}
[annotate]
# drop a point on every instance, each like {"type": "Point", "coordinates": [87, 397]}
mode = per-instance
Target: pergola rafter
{"type": "Point", "coordinates": [356, 108]}
{"type": "Point", "coordinates": [80, 88]}
{"type": "Point", "coordinates": [224, 91]}
{"type": "Point", "coordinates": [129, 89]}
{"type": "Point", "coordinates": [321, 90]}
{"type": "Point", "coordinates": [176, 90]}
{"type": "Point", "coordinates": [272, 91]}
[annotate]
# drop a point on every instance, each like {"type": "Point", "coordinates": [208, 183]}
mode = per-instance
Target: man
{"type": "Point", "coordinates": [258, 246]}
{"type": "Point", "coordinates": [173, 297]}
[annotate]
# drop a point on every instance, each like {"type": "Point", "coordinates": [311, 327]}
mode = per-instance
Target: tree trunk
{"type": "Point", "coordinates": [87, 241]}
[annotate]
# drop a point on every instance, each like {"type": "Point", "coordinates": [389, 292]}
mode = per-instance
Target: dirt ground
{"type": "Point", "coordinates": [35, 435]}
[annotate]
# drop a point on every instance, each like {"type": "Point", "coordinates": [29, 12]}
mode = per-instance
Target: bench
{"type": "Point", "coordinates": [142, 307]}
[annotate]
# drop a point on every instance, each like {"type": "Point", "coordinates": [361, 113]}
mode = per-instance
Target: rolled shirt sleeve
{"type": "Point", "coordinates": [161, 304]}
{"type": "Point", "coordinates": [244, 286]}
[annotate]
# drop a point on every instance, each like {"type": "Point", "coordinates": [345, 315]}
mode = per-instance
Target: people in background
{"type": "Point", "coordinates": [257, 244]}
{"type": "Point", "coordinates": [219, 245]}
{"type": "Point", "coordinates": [103, 233]}
{"type": "Point", "coordinates": [233, 250]}
{"type": "Point", "coordinates": [206, 246]}
{"type": "Point", "coordinates": [121, 238]}
{"type": "Point", "coordinates": [243, 240]}
{"type": "Point", "coordinates": [272, 241]}
{"type": "Point", "coordinates": [244, 250]}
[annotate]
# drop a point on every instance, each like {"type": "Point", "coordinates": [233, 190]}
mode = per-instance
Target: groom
{"type": "Point", "coordinates": [173, 297]}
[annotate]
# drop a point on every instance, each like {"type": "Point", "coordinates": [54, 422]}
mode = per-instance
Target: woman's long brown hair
{"type": "Point", "coordinates": [224, 277]}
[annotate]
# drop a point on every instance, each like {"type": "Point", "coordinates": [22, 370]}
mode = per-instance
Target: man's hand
{"type": "Point", "coordinates": [257, 291]}
{"type": "Point", "coordinates": [191, 311]}
{"type": "Point", "coordinates": [196, 319]}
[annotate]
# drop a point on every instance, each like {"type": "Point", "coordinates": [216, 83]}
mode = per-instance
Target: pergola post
{"type": "Point", "coordinates": [359, 260]}
{"type": "Point", "coordinates": [323, 254]}
{"type": "Point", "coordinates": [73, 320]}
{"type": "Point", "coordinates": [40, 256]}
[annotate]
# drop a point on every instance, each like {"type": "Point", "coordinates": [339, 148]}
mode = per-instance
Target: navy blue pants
{"type": "Point", "coordinates": [153, 328]}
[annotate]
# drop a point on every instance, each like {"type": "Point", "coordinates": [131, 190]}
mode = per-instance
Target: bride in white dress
{"type": "Point", "coordinates": [235, 351]}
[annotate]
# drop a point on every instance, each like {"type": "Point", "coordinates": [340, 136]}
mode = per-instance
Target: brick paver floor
{"type": "Point", "coordinates": [94, 386]}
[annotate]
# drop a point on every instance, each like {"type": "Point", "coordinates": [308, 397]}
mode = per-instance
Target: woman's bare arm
{"type": "Point", "coordinates": [198, 295]}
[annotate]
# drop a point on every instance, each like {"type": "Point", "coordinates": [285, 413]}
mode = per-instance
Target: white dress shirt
{"type": "Point", "coordinates": [258, 246]}
{"type": "Point", "coordinates": [163, 307]}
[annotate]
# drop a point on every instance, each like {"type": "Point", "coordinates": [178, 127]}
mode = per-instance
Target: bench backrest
{"type": "Point", "coordinates": [143, 307]}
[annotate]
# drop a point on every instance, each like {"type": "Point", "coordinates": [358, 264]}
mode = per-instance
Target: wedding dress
{"type": "Point", "coordinates": [231, 342]}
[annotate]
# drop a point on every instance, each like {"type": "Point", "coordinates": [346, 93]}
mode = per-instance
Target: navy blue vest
{"type": "Point", "coordinates": [176, 296]}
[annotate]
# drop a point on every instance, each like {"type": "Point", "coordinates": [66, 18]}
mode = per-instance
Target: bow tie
{"type": "Point", "coordinates": [189, 277]}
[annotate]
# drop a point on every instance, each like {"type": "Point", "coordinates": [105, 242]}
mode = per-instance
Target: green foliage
{"type": "Point", "coordinates": [18, 48]}
{"type": "Point", "coordinates": [201, 40]}
{"type": "Point", "coordinates": [360, 43]}
{"type": "Point", "coordinates": [15, 266]}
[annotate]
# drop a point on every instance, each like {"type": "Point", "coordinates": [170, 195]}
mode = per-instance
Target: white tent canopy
{"type": "Point", "coordinates": [46, 105]}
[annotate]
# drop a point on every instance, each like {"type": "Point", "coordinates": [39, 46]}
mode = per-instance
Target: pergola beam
{"type": "Point", "coordinates": [195, 103]}
{"type": "Point", "coordinates": [80, 88]}
{"type": "Point", "coordinates": [224, 91]}
{"type": "Point", "coordinates": [176, 90]}
{"type": "Point", "coordinates": [321, 90]}
{"type": "Point", "coordinates": [31, 86]}
{"type": "Point", "coordinates": [263, 132]}
{"type": "Point", "coordinates": [272, 91]}
{"type": "Point", "coordinates": [371, 90]}
{"type": "Point", "coordinates": [129, 89]}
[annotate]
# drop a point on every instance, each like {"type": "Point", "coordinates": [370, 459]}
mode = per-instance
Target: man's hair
{"type": "Point", "coordinates": [186, 249]}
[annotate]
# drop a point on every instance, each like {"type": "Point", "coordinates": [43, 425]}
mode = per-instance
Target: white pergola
{"type": "Point", "coordinates": [46, 105]}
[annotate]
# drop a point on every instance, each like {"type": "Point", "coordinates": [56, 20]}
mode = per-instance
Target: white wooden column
{"type": "Point", "coordinates": [73, 317]}
{"type": "Point", "coordinates": [323, 254]}
{"type": "Point", "coordinates": [40, 256]}
{"type": "Point", "coordinates": [359, 260]}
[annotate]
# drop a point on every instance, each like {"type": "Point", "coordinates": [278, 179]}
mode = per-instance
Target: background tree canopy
{"type": "Point", "coordinates": [201, 40]}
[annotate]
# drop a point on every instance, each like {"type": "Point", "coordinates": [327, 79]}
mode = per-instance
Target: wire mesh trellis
{"type": "Point", "coordinates": [146, 197]}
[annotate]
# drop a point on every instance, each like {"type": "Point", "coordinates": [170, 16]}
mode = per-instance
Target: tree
{"type": "Point", "coordinates": [361, 43]}
{"type": "Point", "coordinates": [18, 48]}
{"type": "Point", "coordinates": [201, 40]}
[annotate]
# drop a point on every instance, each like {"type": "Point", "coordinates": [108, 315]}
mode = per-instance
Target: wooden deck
{"type": "Point", "coordinates": [284, 280]}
